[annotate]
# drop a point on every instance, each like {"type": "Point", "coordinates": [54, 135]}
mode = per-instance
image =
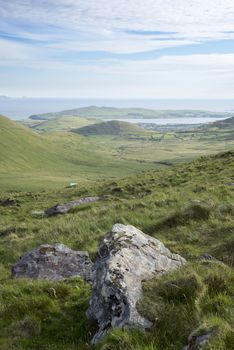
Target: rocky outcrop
{"type": "Point", "coordinates": [64, 208]}
{"type": "Point", "coordinates": [126, 256]}
{"type": "Point", "coordinates": [54, 262]}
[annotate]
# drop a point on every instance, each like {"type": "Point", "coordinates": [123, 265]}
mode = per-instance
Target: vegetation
{"type": "Point", "coordinates": [112, 127]}
{"type": "Point", "coordinates": [64, 123]}
{"type": "Point", "coordinates": [189, 207]}
{"type": "Point", "coordinates": [225, 123]}
{"type": "Point", "coordinates": [30, 162]}
{"type": "Point", "coordinates": [113, 113]}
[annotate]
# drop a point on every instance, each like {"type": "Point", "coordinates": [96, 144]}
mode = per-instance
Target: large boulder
{"type": "Point", "coordinates": [126, 256]}
{"type": "Point", "coordinates": [54, 262]}
{"type": "Point", "coordinates": [66, 207]}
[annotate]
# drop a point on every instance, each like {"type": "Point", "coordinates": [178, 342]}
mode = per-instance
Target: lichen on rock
{"type": "Point", "coordinates": [126, 257]}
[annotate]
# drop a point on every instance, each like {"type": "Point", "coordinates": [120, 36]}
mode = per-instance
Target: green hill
{"type": "Point", "coordinates": [113, 127]}
{"type": "Point", "coordinates": [126, 113]}
{"type": "Point", "coordinates": [226, 123]}
{"type": "Point", "coordinates": [97, 112]}
{"type": "Point", "coordinates": [188, 207]}
{"type": "Point", "coordinates": [222, 130]}
{"type": "Point", "coordinates": [20, 148]}
{"type": "Point", "coordinates": [29, 160]}
{"type": "Point", "coordinates": [62, 123]}
{"type": "Point", "coordinates": [53, 160]}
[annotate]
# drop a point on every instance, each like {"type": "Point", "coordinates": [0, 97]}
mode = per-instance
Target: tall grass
{"type": "Point", "coordinates": [189, 208]}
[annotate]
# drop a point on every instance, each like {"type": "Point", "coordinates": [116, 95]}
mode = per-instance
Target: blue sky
{"type": "Point", "coordinates": [117, 49]}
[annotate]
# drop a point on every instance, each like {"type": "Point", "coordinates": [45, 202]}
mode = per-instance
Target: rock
{"type": "Point", "coordinates": [207, 257]}
{"type": "Point", "coordinates": [64, 208]}
{"type": "Point", "coordinates": [9, 203]}
{"type": "Point", "coordinates": [126, 256]}
{"type": "Point", "coordinates": [54, 262]}
{"type": "Point", "coordinates": [38, 213]}
{"type": "Point", "coordinates": [199, 341]}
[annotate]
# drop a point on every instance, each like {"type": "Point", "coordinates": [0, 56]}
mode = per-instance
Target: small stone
{"type": "Point", "coordinates": [207, 257]}
{"type": "Point", "coordinates": [64, 208]}
{"type": "Point", "coordinates": [38, 213]}
{"type": "Point", "coordinates": [199, 341]}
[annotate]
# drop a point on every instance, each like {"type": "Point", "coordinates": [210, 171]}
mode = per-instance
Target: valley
{"type": "Point", "coordinates": [174, 185]}
{"type": "Point", "coordinates": [188, 207]}
{"type": "Point", "coordinates": [52, 153]}
{"type": "Point", "coordinates": [116, 175]}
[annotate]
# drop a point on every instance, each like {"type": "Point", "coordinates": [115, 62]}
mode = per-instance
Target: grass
{"type": "Point", "coordinates": [189, 207]}
{"type": "Point", "coordinates": [197, 298]}
{"type": "Point", "coordinates": [64, 123]}
{"type": "Point", "coordinates": [35, 162]}
{"type": "Point", "coordinates": [112, 127]}
{"type": "Point", "coordinates": [52, 160]}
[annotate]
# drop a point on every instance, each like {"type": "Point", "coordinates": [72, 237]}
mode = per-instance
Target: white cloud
{"type": "Point", "coordinates": [194, 20]}
{"type": "Point", "coordinates": [192, 76]}
{"type": "Point", "coordinates": [47, 35]}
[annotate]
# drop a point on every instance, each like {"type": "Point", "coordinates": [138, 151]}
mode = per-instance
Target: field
{"type": "Point", "coordinates": [150, 179]}
{"type": "Point", "coordinates": [51, 160]}
{"type": "Point", "coordinates": [188, 207]}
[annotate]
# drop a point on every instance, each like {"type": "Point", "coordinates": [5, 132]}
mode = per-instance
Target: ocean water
{"type": "Point", "coordinates": [170, 121]}
{"type": "Point", "coordinates": [21, 108]}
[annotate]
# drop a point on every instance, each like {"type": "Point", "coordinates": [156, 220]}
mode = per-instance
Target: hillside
{"type": "Point", "coordinates": [63, 123]}
{"type": "Point", "coordinates": [54, 159]}
{"type": "Point", "coordinates": [188, 207]}
{"type": "Point", "coordinates": [125, 113]}
{"type": "Point", "coordinates": [20, 148]}
{"type": "Point", "coordinates": [222, 130]}
{"type": "Point", "coordinates": [226, 123]}
{"type": "Point", "coordinates": [29, 160]}
{"type": "Point", "coordinates": [113, 127]}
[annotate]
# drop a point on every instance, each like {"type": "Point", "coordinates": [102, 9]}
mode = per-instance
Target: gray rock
{"type": "Point", "coordinates": [54, 262]}
{"type": "Point", "coordinates": [64, 208]}
{"type": "Point", "coordinates": [199, 341]}
{"type": "Point", "coordinates": [207, 257]}
{"type": "Point", "coordinates": [9, 203]}
{"type": "Point", "coordinates": [126, 256]}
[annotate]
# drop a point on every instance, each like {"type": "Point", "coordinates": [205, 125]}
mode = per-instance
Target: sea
{"type": "Point", "coordinates": [22, 108]}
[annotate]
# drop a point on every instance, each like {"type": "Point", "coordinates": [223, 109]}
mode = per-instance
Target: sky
{"type": "Point", "coordinates": [117, 48]}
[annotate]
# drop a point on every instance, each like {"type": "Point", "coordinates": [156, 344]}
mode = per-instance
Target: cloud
{"type": "Point", "coordinates": [146, 47]}
{"type": "Point", "coordinates": [129, 19]}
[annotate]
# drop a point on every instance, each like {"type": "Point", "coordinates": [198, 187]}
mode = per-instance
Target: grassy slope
{"type": "Point", "coordinates": [20, 149]}
{"type": "Point", "coordinates": [229, 122]}
{"type": "Point", "coordinates": [112, 127]}
{"type": "Point", "coordinates": [189, 207]}
{"type": "Point", "coordinates": [32, 161]}
{"type": "Point", "coordinates": [52, 160]}
{"type": "Point", "coordinates": [222, 130]}
{"type": "Point", "coordinates": [64, 123]}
